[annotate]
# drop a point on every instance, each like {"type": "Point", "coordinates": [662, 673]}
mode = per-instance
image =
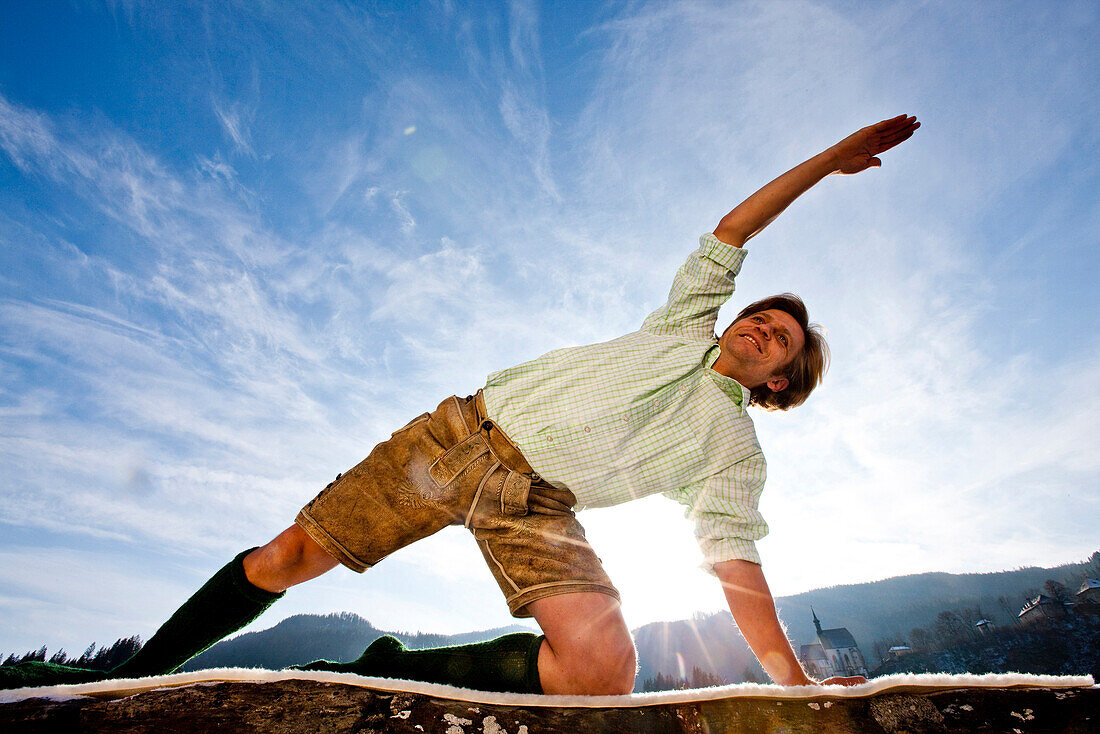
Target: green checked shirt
{"type": "Point", "coordinates": [645, 413]}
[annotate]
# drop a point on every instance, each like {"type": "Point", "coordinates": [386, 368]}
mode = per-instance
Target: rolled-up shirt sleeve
{"type": "Point", "coordinates": [724, 510]}
{"type": "Point", "coordinates": [701, 286]}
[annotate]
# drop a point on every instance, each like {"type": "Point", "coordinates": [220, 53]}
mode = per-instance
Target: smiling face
{"type": "Point", "coordinates": [757, 349]}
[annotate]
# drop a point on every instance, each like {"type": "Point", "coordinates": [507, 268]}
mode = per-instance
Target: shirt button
{"type": "Point", "coordinates": [587, 429]}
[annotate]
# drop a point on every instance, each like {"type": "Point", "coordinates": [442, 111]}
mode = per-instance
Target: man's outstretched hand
{"type": "Point", "coordinates": [858, 151]}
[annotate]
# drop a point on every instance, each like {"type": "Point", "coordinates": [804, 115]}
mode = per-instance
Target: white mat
{"type": "Point", "coordinates": [906, 681]}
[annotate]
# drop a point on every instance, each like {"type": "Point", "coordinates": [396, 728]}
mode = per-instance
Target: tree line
{"type": "Point", "coordinates": [958, 625]}
{"type": "Point", "coordinates": [697, 679]}
{"type": "Point", "coordinates": [93, 658]}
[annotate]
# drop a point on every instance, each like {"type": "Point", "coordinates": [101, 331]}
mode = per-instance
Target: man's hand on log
{"type": "Point", "coordinates": [842, 680]}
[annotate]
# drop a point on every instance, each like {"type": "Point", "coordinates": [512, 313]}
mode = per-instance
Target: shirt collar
{"type": "Point", "coordinates": [736, 392]}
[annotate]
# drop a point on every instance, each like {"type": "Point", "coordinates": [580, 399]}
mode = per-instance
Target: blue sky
{"type": "Point", "coordinates": [240, 243]}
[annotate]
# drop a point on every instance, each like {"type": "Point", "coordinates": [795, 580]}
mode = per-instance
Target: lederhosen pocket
{"type": "Point", "coordinates": [500, 489]}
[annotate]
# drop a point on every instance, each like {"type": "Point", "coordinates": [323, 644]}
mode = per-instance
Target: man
{"type": "Point", "coordinates": [663, 409]}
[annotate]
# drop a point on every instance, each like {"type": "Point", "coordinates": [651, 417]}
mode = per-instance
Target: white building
{"type": "Point", "coordinates": [1088, 598]}
{"type": "Point", "coordinates": [834, 653]}
{"type": "Point", "coordinates": [1089, 591]}
{"type": "Point", "coordinates": [898, 651]}
{"type": "Point", "coordinates": [1041, 609]}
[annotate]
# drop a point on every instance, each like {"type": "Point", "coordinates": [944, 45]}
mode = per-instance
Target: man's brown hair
{"type": "Point", "coordinates": [805, 370]}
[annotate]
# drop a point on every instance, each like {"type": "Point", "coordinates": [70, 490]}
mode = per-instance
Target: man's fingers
{"type": "Point", "coordinates": [894, 137]}
{"type": "Point", "coordinates": [840, 680]}
{"type": "Point", "coordinates": [906, 129]}
{"type": "Point", "coordinates": [894, 126]}
{"type": "Point", "coordinates": [899, 133]}
{"type": "Point", "coordinates": [887, 124]}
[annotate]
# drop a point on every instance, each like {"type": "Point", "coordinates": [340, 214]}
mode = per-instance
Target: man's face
{"type": "Point", "coordinates": [757, 349]}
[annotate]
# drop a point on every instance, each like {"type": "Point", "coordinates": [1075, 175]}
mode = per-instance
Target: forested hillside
{"type": "Point", "coordinates": [892, 607]}
{"type": "Point", "coordinates": [1070, 646]}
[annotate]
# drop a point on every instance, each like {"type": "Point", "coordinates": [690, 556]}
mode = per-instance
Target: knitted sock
{"type": "Point", "coordinates": [33, 673]}
{"type": "Point", "coordinates": [508, 664]}
{"type": "Point", "coordinates": [224, 604]}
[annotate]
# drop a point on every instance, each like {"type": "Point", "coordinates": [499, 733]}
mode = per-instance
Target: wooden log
{"type": "Point", "coordinates": [312, 706]}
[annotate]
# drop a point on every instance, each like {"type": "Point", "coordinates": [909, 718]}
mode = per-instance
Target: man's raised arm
{"type": "Point", "coordinates": [855, 153]}
{"type": "Point", "coordinates": [750, 600]}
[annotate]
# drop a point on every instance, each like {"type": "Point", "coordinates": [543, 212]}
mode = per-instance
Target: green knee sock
{"type": "Point", "coordinates": [224, 604]}
{"type": "Point", "coordinates": [508, 664]}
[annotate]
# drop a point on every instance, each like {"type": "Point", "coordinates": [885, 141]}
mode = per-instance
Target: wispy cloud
{"type": "Point", "coordinates": [522, 105]}
{"type": "Point", "coordinates": [231, 354]}
{"type": "Point", "coordinates": [235, 120]}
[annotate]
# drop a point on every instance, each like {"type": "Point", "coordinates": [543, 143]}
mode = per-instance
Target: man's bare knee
{"type": "Point", "coordinates": [618, 664]}
{"type": "Point", "coordinates": [589, 650]}
{"type": "Point", "coordinates": [600, 666]}
{"type": "Point", "coordinates": [290, 558]}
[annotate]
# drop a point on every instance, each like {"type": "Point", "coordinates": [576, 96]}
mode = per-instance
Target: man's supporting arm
{"type": "Point", "coordinates": [855, 153]}
{"type": "Point", "coordinates": [753, 608]}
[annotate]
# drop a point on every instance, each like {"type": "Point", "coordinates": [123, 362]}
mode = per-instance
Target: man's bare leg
{"type": "Point", "coordinates": [588, 649]}
{"type": "Point", "coordinates": [234, 597]}
{"type": "Point", "coordinates": [288, 560]}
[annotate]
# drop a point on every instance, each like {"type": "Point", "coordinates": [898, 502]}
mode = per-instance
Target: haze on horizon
{"type": "Point", "coordinates": [241, 243]}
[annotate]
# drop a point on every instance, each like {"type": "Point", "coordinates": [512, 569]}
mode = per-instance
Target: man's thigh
{"type": "Point", "coordinates": [575, 621]}
{"type": "Point", "coordinates": [391, 499]}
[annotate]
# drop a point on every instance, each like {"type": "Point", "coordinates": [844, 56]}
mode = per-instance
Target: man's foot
{"type": "Point", "coordinates": [381, 653]}
{"type": "Point", "coordinates": [35, 673]}
{"type": "Point", "coordinates": [378, 660]}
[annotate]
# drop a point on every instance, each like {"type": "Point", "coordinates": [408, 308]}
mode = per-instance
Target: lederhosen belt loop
{"type": "Point", "coordinates": [506, 452]}
{"type": "Point", "coordinates": [477, 494]}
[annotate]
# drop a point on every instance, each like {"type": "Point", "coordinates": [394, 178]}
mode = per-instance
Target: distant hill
{"type": "Point", "coordinates": [894, 606]}
{"type": "Point", "coordinates": [307, 637]}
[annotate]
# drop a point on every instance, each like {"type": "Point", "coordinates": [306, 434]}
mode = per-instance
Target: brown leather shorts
{"type": "Point", "coordinates": [454, 466]}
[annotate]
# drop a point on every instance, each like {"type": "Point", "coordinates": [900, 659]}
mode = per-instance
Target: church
{"type": "Point", "coordinates": [834, 653]}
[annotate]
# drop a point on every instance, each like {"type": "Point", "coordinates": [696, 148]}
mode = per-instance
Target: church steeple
{"type": "Point", "coordinates": [817, 622]}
